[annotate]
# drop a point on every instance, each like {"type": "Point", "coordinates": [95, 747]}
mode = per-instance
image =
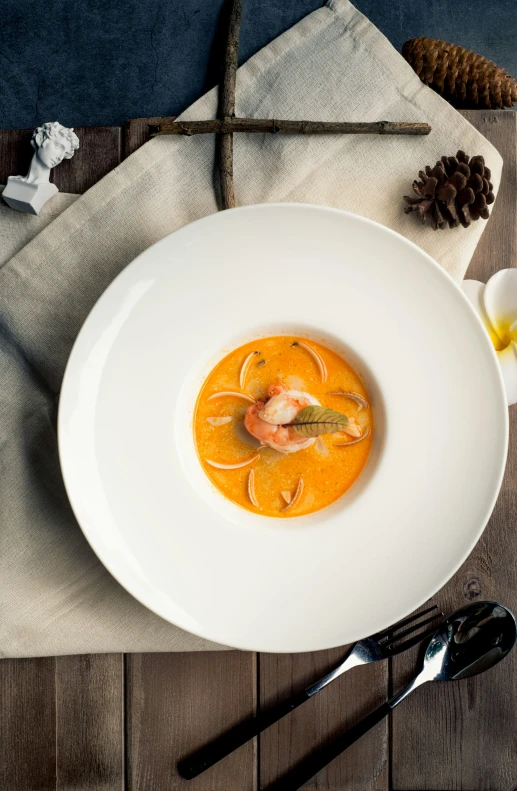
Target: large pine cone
{"type": "Point", "coordinates": [457, 190]}
{"type": "Point", "coordinates": [464, 78]}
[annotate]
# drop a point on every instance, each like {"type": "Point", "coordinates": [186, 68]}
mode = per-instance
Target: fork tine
{"type": "Point", "coordinates": [395, 638]}
{"type": "Point", "coordinates": [393, 651]}
{"type": "Point", "coordinates": [410, 619]}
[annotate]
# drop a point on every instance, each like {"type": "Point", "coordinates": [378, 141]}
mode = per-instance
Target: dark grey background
{"type": "Point", "coordinates": [88, 62]}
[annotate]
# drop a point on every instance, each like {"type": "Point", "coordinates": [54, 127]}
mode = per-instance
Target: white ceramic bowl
{"type": "Point", "coordinates": [128, 456]}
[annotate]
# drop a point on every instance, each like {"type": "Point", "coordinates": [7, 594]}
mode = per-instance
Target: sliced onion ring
{"type": "Point", "coordinates": [362, 402]}
{"type": "Point", "coordinates": [232, 393]}
{"type": "Point", "coordinates": [320, 362]}
{"type": "Point", "coordinates": [251, 489]}
{"type": "Point", "coordinates": [244, 368]}
{"type": "Point", "coordinates": [219, 421]}
{"type": "Point", "coordinates": [298, 493]}
{"type": "Point", "coordinates": [366, 433]}
{"type": "Point", "coordinates": [320, 446]}
{"type": "Point", "coordinates": [236, 466]}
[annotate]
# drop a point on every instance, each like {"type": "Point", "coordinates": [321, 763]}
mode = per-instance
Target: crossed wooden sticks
{"type": "Point", "coordinates": [226, 123]}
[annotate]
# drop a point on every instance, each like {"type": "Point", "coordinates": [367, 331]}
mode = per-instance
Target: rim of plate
{"type": "Point", "coordinates": [118, 574]}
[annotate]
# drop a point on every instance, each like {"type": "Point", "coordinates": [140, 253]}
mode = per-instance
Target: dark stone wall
{"type": "Point", "coordinates": [88, 62]}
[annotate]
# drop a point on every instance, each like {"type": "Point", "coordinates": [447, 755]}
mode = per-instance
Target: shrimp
{"type": "Point", "coordinates": [284, 407]}
{"type": "Point", "coordinates": [281, 438]}
{"type": "Point", "coordinates": [266, 419]}
{"type": "Point", "coordinates": [274, 390]}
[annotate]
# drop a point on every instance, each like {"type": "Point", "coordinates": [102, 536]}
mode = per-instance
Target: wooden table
{"type": "Point", "coordinates": [111, 722]}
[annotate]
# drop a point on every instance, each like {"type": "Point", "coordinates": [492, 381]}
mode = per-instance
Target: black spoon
{"type": "Point", "coordinates": [469, 642]}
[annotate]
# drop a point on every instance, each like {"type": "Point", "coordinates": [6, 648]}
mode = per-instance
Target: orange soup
{"type": "Point", "coordinates": [245, 432]}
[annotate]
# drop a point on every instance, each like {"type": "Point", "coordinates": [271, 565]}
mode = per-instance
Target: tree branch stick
{"type": "Point", "coordinates": [227, 107]}
{"type": "Point", "coordinates": [225, 127]}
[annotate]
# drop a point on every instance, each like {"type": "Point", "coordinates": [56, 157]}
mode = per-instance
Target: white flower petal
{"type": "Point", "coordinates": [474, 290]}
{"type": "Point", "coordinates": [496, 305]}
{"type": "Point", "coordinates": [508, 362]}
{"type": "Point", "coordinates": [500, 298]}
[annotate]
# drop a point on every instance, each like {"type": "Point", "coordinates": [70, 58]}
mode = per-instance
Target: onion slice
{"type": "Point", "coordinates": [366, 433]}
{"type": "Point", "coordinates": [251, 488]}
{"type": "Point", "coordinates": [244, 369]}
{"type": "Point", "coordinates": [316, 356]}
{"type": "Point", "coordinates": [287, 496]}
{"type": "Point", "coordinates": [237, 466]}
{"type": "Point", "coordinates": [321, 447]}
{"type": "Point", "coordinates": [233, 393]}
{"type": "Point", "coordinates": [219, 421]}
{"type": "Point", "coordinates": [359, 400]}
{"type": "Point", "coordinates": [298, 493]}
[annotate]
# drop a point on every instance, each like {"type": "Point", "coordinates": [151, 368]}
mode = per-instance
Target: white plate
{"type": "Point", "coordinates": [127, 451]}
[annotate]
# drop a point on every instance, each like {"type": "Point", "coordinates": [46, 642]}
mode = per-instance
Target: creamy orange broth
{"type": "Point", "coordinates": [326, 475]}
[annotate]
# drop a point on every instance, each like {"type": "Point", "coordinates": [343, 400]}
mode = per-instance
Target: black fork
{"type": "Point", "coordinates": [379, 646]}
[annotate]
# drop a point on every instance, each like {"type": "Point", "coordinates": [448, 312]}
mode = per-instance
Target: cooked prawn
{"type": "Point", "coordinates": [266, 419]}
{"type": "Point", "coordinates": [276, 389]}
{"type": "Point", "coordinates": [281, 438]}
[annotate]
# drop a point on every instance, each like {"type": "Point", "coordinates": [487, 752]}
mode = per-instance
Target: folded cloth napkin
{"type": "Point", "coordinates": [17, 229]}
{"type": "Point", "coordinates": [55, 597]}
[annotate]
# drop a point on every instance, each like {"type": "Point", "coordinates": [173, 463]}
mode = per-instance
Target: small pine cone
{"type": "Point", "coordinates": [456, 191]}
{"type": "Point", "coordinates": [465, 79]}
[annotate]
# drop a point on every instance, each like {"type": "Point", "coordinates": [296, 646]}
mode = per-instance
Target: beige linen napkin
{"type": "Point", "coordinates": [55, 597]}
{"type": "Point", "coordinates": [17, 228]}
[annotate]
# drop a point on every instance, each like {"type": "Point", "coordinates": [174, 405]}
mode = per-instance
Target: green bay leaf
{"type": "Point", "coordinates": [311, 421]}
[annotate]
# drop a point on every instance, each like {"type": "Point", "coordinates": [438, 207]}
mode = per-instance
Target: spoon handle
{"type": "Point", "coordinates": [314, 763]}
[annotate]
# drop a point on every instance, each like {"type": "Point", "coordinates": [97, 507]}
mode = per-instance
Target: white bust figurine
{"type": "Point", "coordinates": [52, 143]}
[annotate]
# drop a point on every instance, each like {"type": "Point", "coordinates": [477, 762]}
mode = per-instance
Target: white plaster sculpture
{"type": "Point", "coordinates": [496, 305]}
{"type": "Point", "coordinates": [52, 143]}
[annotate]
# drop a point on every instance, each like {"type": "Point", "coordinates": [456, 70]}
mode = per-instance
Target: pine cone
{"type": "Point", "coordinates": [465, 79]}
{"type": "Point", "coordinates": [457, 190]}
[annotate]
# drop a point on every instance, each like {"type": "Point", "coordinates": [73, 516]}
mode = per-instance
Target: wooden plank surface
{"type": "Point", "coordinates": [15, 153]}
{"type": "Point", "coordinates": [464, 735]}
{"type": "Point", "coordinates": [178, 702]}
{"type": "Point", "coordinates": [136, 132]}
{"type": "Point", "coordinates": [27, 724]}
{"type": "Point", "coordinates": [100, 151]}
{"type": "Point", "coordinates": [90, 723]}
{"type": "Point", "coordinates": [364, 767]}
{"type": "Point", "coordinates": [497, 248]}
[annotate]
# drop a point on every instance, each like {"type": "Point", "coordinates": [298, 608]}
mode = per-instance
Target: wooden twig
{"type": "Point", "coordinates": [225, 127]}
{"type": "Point", "coordinates": [226, 123]}
{"type": "Point", "coordinates": [227, 107]}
